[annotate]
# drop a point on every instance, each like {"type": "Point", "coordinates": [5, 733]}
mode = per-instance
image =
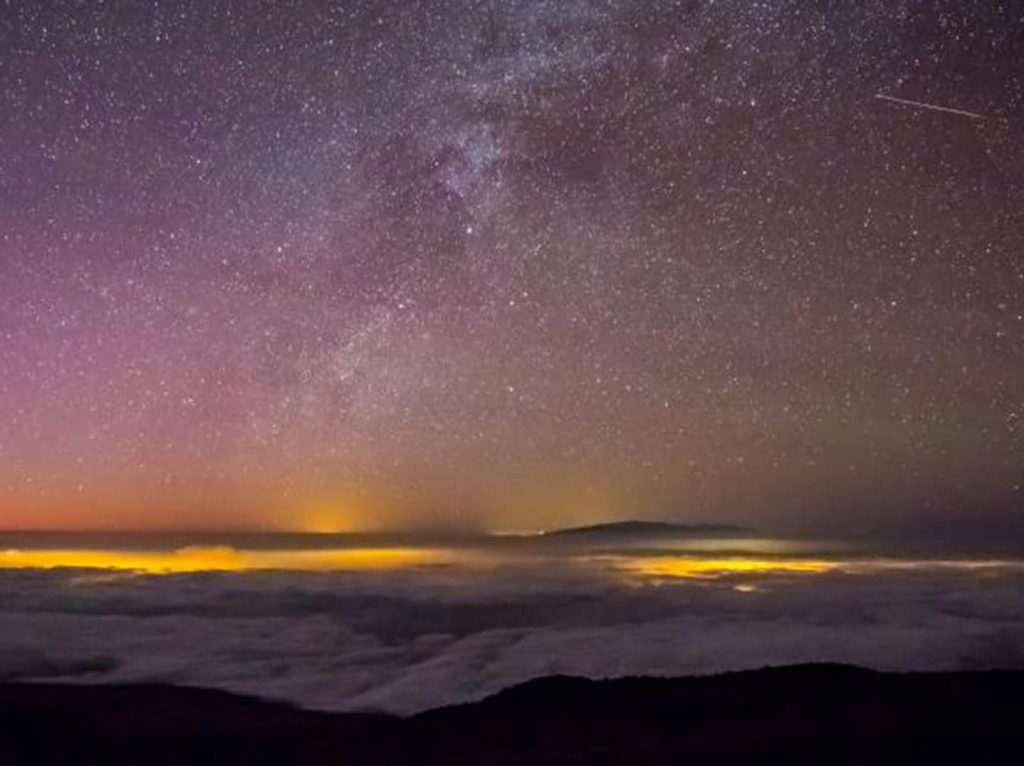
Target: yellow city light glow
{"type": "Point", "coordinates": [693, 567]}
{"type": "Point", "coordinates": [224, 558]}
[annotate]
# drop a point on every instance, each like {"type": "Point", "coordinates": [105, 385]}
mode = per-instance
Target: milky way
{"type": "Point", "coordinates": [510, 263]}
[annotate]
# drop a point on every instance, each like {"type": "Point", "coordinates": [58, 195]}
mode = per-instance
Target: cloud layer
{"type": "Point", "coordinates": [407, 641]}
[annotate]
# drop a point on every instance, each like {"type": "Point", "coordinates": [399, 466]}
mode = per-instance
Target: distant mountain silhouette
{"type": "Point", "coordinates": [809, 714]}
{"type": "Point", "coordinates": [641, 528]}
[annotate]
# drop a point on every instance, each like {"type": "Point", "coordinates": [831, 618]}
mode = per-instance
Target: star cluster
{"type": "Point", "coordinates": [510, 263]}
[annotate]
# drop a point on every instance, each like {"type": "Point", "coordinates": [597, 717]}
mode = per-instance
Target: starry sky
{"type": "Point", "coordinates": [510, 264]}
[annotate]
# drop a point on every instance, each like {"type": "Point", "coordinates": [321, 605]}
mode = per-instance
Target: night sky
{"type": "Point", "coordinates": [509, 264]}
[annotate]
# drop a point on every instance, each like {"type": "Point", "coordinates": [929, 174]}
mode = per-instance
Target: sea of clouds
{"type": "Point", "coordinates": [404, 641]}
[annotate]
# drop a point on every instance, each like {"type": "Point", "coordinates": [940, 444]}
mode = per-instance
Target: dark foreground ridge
{"type": "Point", "coordinates": [795, 715]}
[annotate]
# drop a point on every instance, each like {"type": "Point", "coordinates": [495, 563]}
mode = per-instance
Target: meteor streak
{"type": "Point", "coordinates": [933, 107]}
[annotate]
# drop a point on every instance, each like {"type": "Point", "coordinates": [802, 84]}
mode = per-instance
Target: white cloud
{"type": "Point", "coordinates": [406, 641]}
